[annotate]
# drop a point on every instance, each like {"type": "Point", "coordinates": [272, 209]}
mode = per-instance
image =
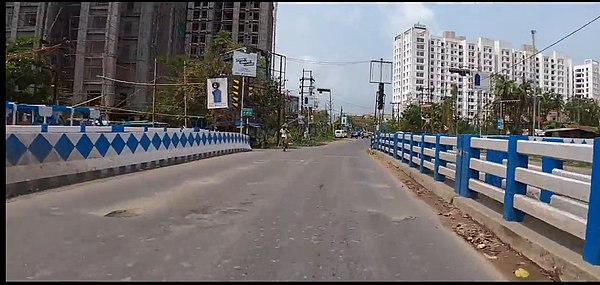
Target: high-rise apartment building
{"type": "Point", "coordinates": [422, 62]}
{"type": "Point", "coordinates": [587, 80]}
{"type": "Point", "coordinates": [117, 40]}
{"type": "Point", "coordinates": [250, 23]}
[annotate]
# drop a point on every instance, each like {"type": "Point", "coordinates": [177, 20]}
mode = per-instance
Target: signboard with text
{"type": "Point", "coordinates": [244, 64]}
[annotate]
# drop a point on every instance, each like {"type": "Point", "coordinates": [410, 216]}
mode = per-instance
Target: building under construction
{"type": "Point", "coordinates": [250, 23]}
{"type": "Point", "coordinates": [117, 40]}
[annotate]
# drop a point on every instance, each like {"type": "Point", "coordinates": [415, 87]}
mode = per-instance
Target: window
{"type": "Point", "coordinates": [29, 20]}
{"type": "Point", "coordinates": [419, 81]}
{"type": "Point", "coordinates": [98, 22]}
{"type": "Point", "coordinates": [420, 74]}
{"type": "Point", "coordinates": [196, 13]}
{"type": "Point", "coordinates": [420, 40]}
{"type": "Point", "coordinates": [420, 67]}
{"type": "Point", "coordinates": [420, 60]}
{"type": "Point", "coordinates": [420, 46]}
{"type": "Point", "coordinates": [94, 47]}
{"type": "Point", "coordinates": [195, 26]}
{"type": "Point", "coordinates": [420, 53]}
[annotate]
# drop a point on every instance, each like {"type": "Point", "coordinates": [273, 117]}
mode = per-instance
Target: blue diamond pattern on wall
{"type": "Point", "coordinates": [203, 139]}
{"type": "Point", "coordinates": [198, 139]}
{"type": "Point", "coordinates": [132, 143]}
{"type": "Point", "coordinates": [156, 141]}
{"type": "Point", "coordinates": [64, 147]}
{"type": "Point", "coordinates": [166, 141]}
{"type": "Point", "coordinates": [40, 148]}
{"type": "Point", "coordinates": [183, 140]}
{"type": "Point", "coordinates": [209, 138]}
{"type": "Point", "coordinates": [15, 149]}
{"type": "Point", "coordinates": [175, 140]}
{"type": "Point", "coordinates": [84, 146]}
{"type": "Point", "coordinates": [102, 144]}
{"type": "Point", "coordinates": [118, 144]}
{"type": "Point", "coordinates": [191, 139]}
{"type": "Point", "coordinates": [145, 142]}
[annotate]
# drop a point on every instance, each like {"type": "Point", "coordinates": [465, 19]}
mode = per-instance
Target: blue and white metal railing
{"type": "Point", "coordinates": [498, 167]}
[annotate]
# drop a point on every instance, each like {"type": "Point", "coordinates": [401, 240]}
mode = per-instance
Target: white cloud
{"type": "Point", "coordinates": [401, 16]}
{"type": "Point", "coordinates": [317, 33]}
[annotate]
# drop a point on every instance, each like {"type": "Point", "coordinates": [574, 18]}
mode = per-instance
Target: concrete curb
{"type": "Point", "coordinates": [545, 252]}
{"type": "Point", "coordinates": [38, 185]}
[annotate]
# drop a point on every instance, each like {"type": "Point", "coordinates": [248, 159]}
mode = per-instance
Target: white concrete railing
{"type": "Point", "coordinates": [559, 197]}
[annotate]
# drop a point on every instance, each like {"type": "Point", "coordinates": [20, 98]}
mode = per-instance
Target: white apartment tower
{"type": "Point", "coordinates": [422, 63]}
{"type": "Point", "coordinates": [587, 80]}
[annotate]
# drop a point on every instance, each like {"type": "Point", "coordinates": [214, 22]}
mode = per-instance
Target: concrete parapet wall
{"type": "Point", "coordinates": [35, 157]}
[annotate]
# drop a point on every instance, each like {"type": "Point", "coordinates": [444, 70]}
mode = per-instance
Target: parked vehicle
{"type": "Point", "coordinates": [340, 134]}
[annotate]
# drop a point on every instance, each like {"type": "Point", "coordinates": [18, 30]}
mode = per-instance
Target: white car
{"type": "Point", "coordinates": [339, 134]}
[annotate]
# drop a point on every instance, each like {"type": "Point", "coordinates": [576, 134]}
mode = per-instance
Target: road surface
{"type": "Point", "coordinates": [323, 213]}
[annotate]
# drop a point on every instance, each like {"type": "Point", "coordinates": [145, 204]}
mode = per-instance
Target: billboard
{"type": "Point", "coordinates": [244, 64]}
{"type": "Point", "coordinates": [217, 93]}
{"type": "Point", "coordinates": [481, 81]}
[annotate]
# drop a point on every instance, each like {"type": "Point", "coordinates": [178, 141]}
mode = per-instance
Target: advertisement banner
{"type": "Point", "coordinates": [217, 93]}
{"type": "Point", "coordinates": [244, 64]}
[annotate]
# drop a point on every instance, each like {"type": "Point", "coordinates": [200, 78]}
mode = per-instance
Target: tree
{"type": "Point", "coordinates": [514, 101]}
{"type": "Point", "coordinates": [170, 100]}
{"type": "Point", "coordinates": [550, 101]}
{"type": "Point", "coordinates": [26, 68]}
{"type": "Point", "coordinates": [583, 111]}
{"type": "Point", "coordinates": [411, 120]}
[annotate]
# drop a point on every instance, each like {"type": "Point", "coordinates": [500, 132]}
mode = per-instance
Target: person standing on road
{"type": "Point", "coordinates": [284, 136]}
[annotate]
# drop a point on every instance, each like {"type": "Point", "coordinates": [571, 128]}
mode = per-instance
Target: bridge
{"type": "Point", "coordinates": [499, 168]}
{"type": "Point", "coordinates": [207, 207]}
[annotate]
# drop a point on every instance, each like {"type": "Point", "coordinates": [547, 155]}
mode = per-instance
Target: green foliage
{"type": "Point", "coordinates": [584, 111]}
{"type": "Point", "coordinates": [264, 98]}
{"type": "Point", "coordinates": [25, 70]}
{"type": "Point", "coordinates": [411, 119]}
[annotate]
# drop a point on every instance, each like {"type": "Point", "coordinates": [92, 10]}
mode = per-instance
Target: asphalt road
{"type": "Point", "coordinates": [324, 213]}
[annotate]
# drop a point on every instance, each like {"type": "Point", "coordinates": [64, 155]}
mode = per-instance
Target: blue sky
{"type": "Point", "coordinates": [343, 32]}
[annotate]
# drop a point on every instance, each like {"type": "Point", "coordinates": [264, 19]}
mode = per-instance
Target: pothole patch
{"type": "Point", "coordinates": [124, 213]}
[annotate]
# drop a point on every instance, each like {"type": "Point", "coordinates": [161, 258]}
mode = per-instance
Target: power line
{"type": "Point", "coordinates": [553, 44]}
{"type": "Point", "coordinates": [355, 105]}
{"type": "Point", "coordinates": [327, 62]}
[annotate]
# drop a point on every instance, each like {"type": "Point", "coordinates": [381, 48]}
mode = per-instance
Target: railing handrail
{"type": "Point", "coordinates": [504, 174]}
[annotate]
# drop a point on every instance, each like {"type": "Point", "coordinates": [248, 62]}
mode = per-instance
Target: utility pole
{"type": "Point", "coordinates": [154, 95]}
{"type": "Point", "coordinates": [242, 104]}
{"type": "Point", "coordinates": [341, 116]}
{"type": "Point", "coordinates": [330, 112]}
{"type": "Point", "coordinates": [310, 90]}
{"type": "Point", "coordinates": [302, 96]}
{"type": "Point", "coordinates": [184, 95]}
{"type": "Point", "coordinates": [533, 68]}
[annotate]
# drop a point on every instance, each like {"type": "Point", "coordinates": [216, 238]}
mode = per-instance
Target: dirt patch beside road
{"type": "Point", "coordinates": [506, 259]}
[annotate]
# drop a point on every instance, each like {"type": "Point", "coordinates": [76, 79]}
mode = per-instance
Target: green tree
{"type": "Point", "coordinates": [513, 100]}
{"type": "Point", "coordinates": [411, 120]}
{"type": "Point", "coordinates": [583, 111]}
{"type": "Point", "coordinates": [26, 67]}
{"type": "Point", "coordinates": [170, 100]}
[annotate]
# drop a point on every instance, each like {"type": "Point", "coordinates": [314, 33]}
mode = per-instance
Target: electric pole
{"type": "Point", "coordinates": [533, 68]}
{"type": "Point", "coordinates": [305, 100]}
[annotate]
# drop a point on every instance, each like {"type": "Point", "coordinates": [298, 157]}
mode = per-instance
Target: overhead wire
{"type": "Point", "coordinates": [542, 50]}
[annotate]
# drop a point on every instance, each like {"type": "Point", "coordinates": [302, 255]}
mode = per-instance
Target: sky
{"type": "Point", "coordinates": [360, 32]}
